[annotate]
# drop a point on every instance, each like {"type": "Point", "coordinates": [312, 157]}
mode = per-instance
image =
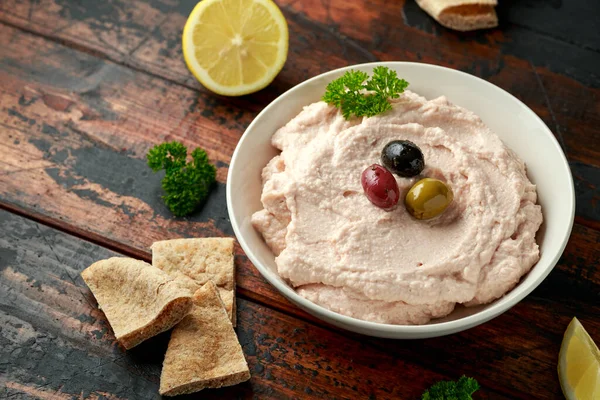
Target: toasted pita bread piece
{"type": "Point", "coordinates": [196, 261]}
{"type": "Point", "coordinates": [462, 15]}
{"type": "Point", "coordinates": [204, 351]}
{"type": "Point", "coordinates": [139, 301]}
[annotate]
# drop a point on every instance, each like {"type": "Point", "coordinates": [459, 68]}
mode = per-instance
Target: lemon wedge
{"type": "Point", "coordinates": [579, 364]}
{"type": "Point", "coordinates": [235, 47]}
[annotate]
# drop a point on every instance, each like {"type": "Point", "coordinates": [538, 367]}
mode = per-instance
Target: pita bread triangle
{"type": "Point", "coordinates": [139, 301]}
{"type": "Point", "coordinates": [194, 262]}
{"type": "Point", "coordinates": [204, 351]}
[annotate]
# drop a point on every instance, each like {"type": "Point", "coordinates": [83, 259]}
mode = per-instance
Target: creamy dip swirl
{"type": "Point", "coordinates": [340, 251]}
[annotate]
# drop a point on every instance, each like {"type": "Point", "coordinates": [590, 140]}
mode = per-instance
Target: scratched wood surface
{"type": "Point", "coordinates": [88, 87]}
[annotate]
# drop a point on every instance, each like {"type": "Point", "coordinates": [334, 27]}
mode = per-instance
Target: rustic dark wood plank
{"type": "Point", "coordinates": [574, 22]}
{"type": "Point", "coordinates": [562, 90]}
{"type": "Point", "coordinates": [94, 117]}
{"type": "Point", "coordinates": [56, 344]}
{"type": "Point", "coordinates": [121, 28]}
{"type": "Point", "coordinates": [377, 23]}
{"type": "Point", "coordinates": [587, 191]}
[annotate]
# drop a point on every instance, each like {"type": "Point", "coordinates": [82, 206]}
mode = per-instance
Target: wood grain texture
{"type": "Point", "coordinates": [327, 34]}
{"type": "Point", "coordinates": [574, 22]}
{"type": "Point", "coordinates": [88, 87]}
{"type": "Point", "coordinates": [76, 122]}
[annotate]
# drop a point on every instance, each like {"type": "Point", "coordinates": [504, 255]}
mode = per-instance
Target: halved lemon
{"type": "Point", "coordinates": [235, 47]}
{"type": "Point", "coordinates": [579, 364]}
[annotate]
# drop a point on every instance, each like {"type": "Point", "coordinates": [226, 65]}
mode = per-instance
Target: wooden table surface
{"type": "Point", "coordinates": [87, 87]}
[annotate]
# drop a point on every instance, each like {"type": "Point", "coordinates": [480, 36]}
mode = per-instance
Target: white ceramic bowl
{"type": "Point", "coordinates": [520, 129]}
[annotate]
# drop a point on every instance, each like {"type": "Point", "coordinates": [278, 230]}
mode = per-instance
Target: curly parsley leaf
{"type": "Point", "coordinates": [186, 184]}
{"type": "Point", "coordinates": [450, 390]}
{"type": "Point", "coordinates": [355, 94]}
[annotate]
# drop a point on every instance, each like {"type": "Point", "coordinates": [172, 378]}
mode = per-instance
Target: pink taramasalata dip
{"type": "Point", "coordinates": [340, 251]}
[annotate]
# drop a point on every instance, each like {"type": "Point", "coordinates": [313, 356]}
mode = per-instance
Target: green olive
{"type": "Point", "coordinates": [428, 198]}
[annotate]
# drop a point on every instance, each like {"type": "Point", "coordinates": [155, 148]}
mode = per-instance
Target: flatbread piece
{"type": "Point", "coordinates": [204, 351]}
{"type": "Point", "coordinates": [462, 15]}
{"type": "Point", "coordinates": [196, 261]}
{"type": "Point", "coordinates": [139, 301]}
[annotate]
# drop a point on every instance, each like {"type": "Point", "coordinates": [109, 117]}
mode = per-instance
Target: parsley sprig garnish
{"type": "Point", "coordinates": [355, 94]}
{"type": "Point", "coordinates": [186, 184]}
{"type": "Point", "coordinates": [450, 390]}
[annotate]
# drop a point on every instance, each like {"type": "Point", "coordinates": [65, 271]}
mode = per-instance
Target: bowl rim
{"type": "Point", "coordinates": [446, 327]}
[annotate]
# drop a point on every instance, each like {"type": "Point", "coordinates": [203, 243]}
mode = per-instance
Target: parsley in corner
{"type": "Point", "coordinates": [355, 94]}
{"type": "Point", "coordinates": [186, 184]}
{"type": "Point", "coordinates": [450, 390]}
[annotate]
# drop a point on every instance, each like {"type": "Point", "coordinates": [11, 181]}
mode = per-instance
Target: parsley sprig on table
{"type": "Point", "coordinates": [355, 94]}
{"type": "Point", "coordinates": [186, 184]}
{"type": "Point", "coordinates": [450, 390]}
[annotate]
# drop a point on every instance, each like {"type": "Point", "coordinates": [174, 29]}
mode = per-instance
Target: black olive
{"type": "Point", "coordinates": [403, 157]}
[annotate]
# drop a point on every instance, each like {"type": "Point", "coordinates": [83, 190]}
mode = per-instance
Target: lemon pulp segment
{"type": "Point", "coordinates": [579, 364]}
